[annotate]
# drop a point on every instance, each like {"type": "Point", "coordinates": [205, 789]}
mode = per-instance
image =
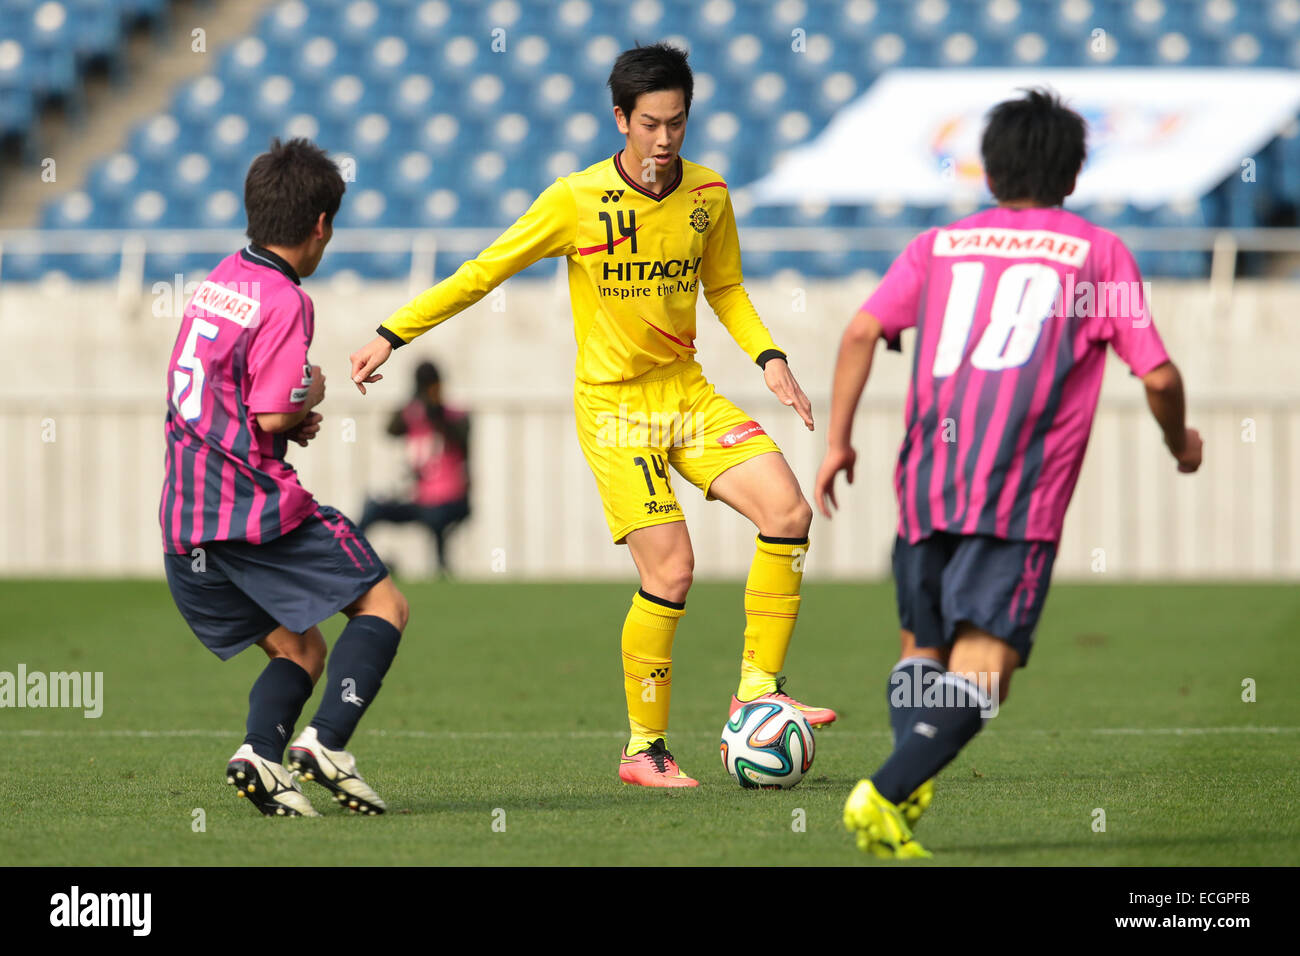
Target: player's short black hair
{"type": "Point", "coordinates": [426, 374]}
{"type": "Point", "coordinates": [1033, 148]}
{"type": "Point", "coordinates": [286, 190]}
{"type": "Point", "coordinates": [650, 69]}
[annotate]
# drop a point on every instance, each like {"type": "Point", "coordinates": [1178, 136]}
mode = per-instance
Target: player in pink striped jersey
{"type": "Point", "coordinates": [251, 557]}
{"type": "Point", "coordinates": [1014, 310]}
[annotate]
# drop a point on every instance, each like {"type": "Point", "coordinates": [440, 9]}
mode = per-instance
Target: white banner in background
{"type": "Point", "coordinates": [1154, 135]}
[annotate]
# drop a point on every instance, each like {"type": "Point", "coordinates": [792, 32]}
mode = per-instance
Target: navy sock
{"type": "Point", "coordinates": [907, 682]}
{"type": "Point", "coordinates": [357, 666]}
{"type": "Point", "coordinates": [948, 718]}
{"type": "Point", "coordinates": [274, 704]}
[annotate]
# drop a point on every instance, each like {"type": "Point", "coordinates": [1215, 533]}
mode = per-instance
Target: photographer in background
{"type": "Point", "coordinates": [437, 448]}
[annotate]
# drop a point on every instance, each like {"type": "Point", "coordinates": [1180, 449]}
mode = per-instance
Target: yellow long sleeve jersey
{"type": "Point", "coordinates": [636, 263]}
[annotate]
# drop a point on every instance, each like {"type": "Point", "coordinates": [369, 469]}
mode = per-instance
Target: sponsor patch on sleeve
{"type": "Point", "coordinates": [298, 395]}
{"type": "Point", "coordinates": [741, 433]}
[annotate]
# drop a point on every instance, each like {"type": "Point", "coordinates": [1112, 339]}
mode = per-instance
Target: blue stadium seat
{"type": "Point", "coordinates": [742, 57]}
{"type": "Point", "coordinates": [438, 209]}
{"type": "Point", "coordinates": [96, 29]}
{"type": "Point", "coordinates": [275, 100]}
{"type": "Point", "coordinates": [930, 19]}
{"type": "Point", "coordinates": [788, 129]}
{"type": "Point", "coordinates": [1221, 18]}
{"type": "Point", "coordinates": [821, 54]}
{"type": "Point", "coordinates": [554, 96]}
{"type": "Point", "coordinates": [1147, 18]}
{"type": "Point", "coordinates": [528, 57]}
{"type": "Point", "coordinates": [1248, 49]}
{"type": "Point", "coordinates": [16, 108]}
{"type": "Point", "coordinates": [1181, 49]}
{"type": "Point", "coordinates": [1004, 19]}
{"type": "Point", "coordinates": [596, 58]}
{"type": "Point", "coordinates": [230, 147]}
{"type": "Point", "coordinates": [715, 20]}
{"type": "Point", "coordinates": [415, 98]}
{"type": "Point", "coordinates": [222, 210]}
{"type": "Point", "coordinates": [644, 21]}
{"type": "Point", "coordinates": [244, 65]}
{"type": "Point", "coordinates": [1283, 19]}
{"type": "Point", "coordinates": [148, 209]}
{"type": "Point", "coordinates": [1037, 49]}
{"type": "Point", "coordinates": [1076, 19]}
{"type": "Point", "coordinates": [76, 210]}
{"type": "Point", "coordinates": [768, 93]}
{"type": "Point", "coordinates": [53, 44]}
{"type": "Point", "coordinates": [338, 105]}
{"type": "Point", "coordinates": [441, 134]}
{"type": "Point", "coordinates": [316, 63]}
{"type": "Point", "coordinates": [427, 23]}
{"type": "Point", "coordinates": [370, 140]}
{"type": "Point", "coordinates": [511, 135]}
{"type": "Point", "coordinates": [287, 26]}
{"type": "Point", "coordinates": [833, 94]}
{"type": "Point", "coordinates": [198, 104]}
{"type": "Point", "coordinates": [366, 209]}
{"type": "Point", "coordinates": [409, 178]}
{"type": "Point", "coordinates": [959, 50]}
{"type": "Point", "coordinates": [113, 183]}
{"type": "Point", "coordinates": [190, 182]}
{"type": "Point", "coordinates": [459, 57]}
{"type": "Point", "coordinates": [484, 97]}
{"type": "Point", "coordinates": [154, 142]}
{"type": "Point", "coordinates": [357, 25]}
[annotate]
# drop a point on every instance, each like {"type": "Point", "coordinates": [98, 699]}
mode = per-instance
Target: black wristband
{"type": "Point", "coordinates": [393, 338]}
{"type": "Point", "coordinates": [767, 356]}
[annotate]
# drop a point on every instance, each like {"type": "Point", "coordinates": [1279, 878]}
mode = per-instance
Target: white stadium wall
{"type": "Point", "coordinates": [82, 404]}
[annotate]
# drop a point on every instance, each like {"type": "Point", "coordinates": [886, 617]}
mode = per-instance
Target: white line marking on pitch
{"type": "Point", "coordinates": [614, 735]}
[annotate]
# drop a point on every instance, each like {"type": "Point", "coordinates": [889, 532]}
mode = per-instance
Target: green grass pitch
{"type": "Point", "coordinates": [505, 706]}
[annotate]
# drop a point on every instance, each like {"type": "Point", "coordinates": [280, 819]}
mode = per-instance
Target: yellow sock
{"type": "Point", "coordinates": [771, 608]}
{"type": "Point", "coordinates": [647, 667]}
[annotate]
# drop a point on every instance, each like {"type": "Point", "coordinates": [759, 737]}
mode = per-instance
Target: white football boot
{"type": "Point", "coordinates": [268, 786]}
{"type": "Point", "coordinates": [335, 770]}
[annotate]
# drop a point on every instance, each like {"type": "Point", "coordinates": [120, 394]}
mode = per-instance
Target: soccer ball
{"type": "Point", "coordinates": [767, 745]}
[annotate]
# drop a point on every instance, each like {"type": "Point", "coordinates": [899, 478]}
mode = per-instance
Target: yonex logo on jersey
{"type": "Point", "coordinates": [612, 195]}
{"type": "Point", "coordinates": [214, 298]}
{"type": "Point", "coordinates": [741, 433]}
{"type": "Point", "coordinates": [1013, 244]}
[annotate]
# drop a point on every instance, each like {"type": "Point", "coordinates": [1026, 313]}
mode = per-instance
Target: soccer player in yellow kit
{"type": "Point", "coordinates": [643, 231]}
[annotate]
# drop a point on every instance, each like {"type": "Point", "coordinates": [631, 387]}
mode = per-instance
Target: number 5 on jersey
{"type": "Point", "coordinates": [191, 406]}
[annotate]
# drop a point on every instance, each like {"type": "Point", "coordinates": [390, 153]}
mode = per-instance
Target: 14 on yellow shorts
{"type": "Point", "coordinates": [635, 432]}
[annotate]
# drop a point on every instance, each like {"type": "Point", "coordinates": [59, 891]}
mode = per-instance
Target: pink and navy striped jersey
{"type": "Point", "coordinates": [1014, 310]}
{"type": "Point", "coordinates": [241, 350]}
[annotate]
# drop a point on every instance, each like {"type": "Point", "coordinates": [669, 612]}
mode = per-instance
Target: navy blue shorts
{"type": "Point", "coordinates": [998, 586]}
{"type": "Point", "coordinates": [245, 591]}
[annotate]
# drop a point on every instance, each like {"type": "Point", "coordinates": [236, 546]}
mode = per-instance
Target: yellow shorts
{"type": "Point", "coordinates": [631, 432]}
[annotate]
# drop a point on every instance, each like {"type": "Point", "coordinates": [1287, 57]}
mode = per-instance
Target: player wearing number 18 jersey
{"type": "Point", "coordinates": [644, 232]}
{"type": "Point", "coordinates": [1014, 310]}
{"type": "Point", "coordinates": [250, 556]}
